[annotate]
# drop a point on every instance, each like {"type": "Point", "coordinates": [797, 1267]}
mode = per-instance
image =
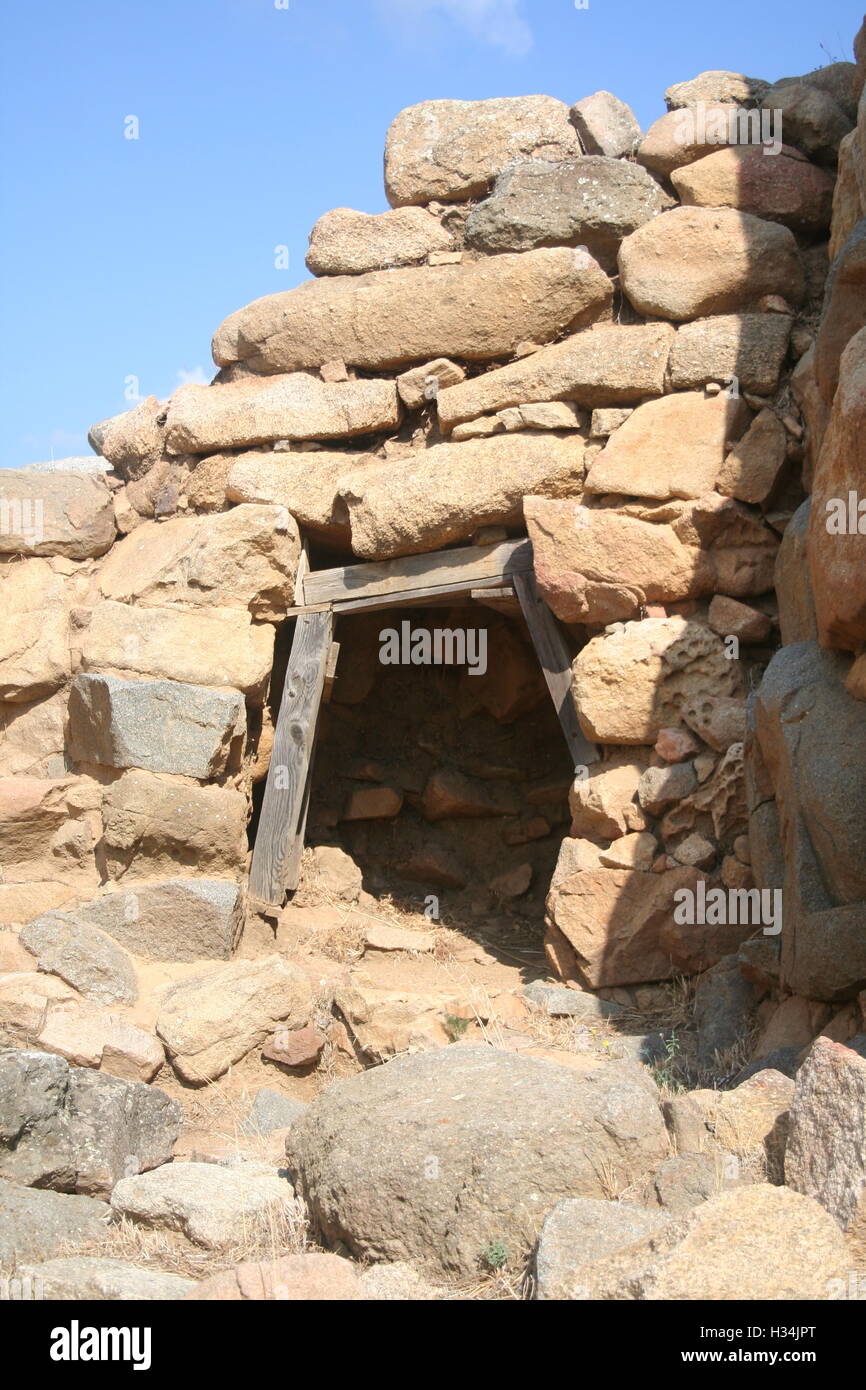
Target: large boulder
{"type": "Point", "coordinates": [211, 1020]}
{"type": "Point", "coordinates": [445, 493]}
{"type": "Point", "coordinates": [67, 514]}
{"type": "Point", "coordinates": [215, 646]}
{"type": "Point", "coordinates": [477, 310]}
{"type": "Point", "coordinates": [620, 925]}
{"type": "Point", "coordinates": [836, 524]}
{"type": "Point", "coordinates": [844, 311]}
{"type": "Point", "coordinates": [717, 84]}
{"type": "Point", "coordinates": [77, 1130]}
{"type": "Point", "coordinates": [671, 447]}
{"type": "Point", "coordinates": [306, 484]}
{"type": "Point", "coordinates": [244, 558]}
{"type": "Point", "coordinates": [346, 242]}
{"type": "Point", "coordinates": [746, 348]}
{"type": "Point", "coordinates": [784, 187]}
{"type": "Point", "coordinates": [162, 726]}
{"type": "Point", "coordinates": [209, 1204]}
{"type": "Point", "coordinates": [236, 414]}
{"type": "Point", "coordinates": [816, 782]}
{"type": "Point", "coordinates": [634, 680]}
{"type": "Point", "coordinates": [597, 565]}
{"type": "Point", "coordinates": [680, 137]}
{"type": "Point", "coordinates": [605, 366]}
{"type": "Point", "coordinates": [34, 631]}
{"type": "Point", "coordinates": [694, 261]}
{"type": "Point", "coordinates": [826, 1153]}
{"type": "Point", "coordinates": [848, 205]}
{"type": "Point", "coordinates": [593, 202]}
{"type": "Point", "coordinates": [756, 1242]}
{"type": "Point", "coordinates": [811, 118]}
{"type": "Point", "coordinates": [453, 150]}
{"type": "Point", "coordinates": [434, 1157]}
{"type": "Point", "coordinates": [171, 919]}
{"type": "Point", "coordinates": [155, 825]}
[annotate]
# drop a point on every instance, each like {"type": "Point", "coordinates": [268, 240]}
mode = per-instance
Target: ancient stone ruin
{"type": "Point", "coordinates": [432, 755]}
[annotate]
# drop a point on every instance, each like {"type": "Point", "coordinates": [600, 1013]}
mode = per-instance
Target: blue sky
{"type": "Point", "coordinates": [120, 257]}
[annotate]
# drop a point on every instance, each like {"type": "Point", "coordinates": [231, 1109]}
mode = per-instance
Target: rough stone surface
{"type": "Point", "coordinates": [672, 447]}
{"type": "Point", "coordinates": [718, 84]}
{"type": "Point", "coordinates": [244, 558]}
{"type": "Point", "coordinates": [54, 514]}
{"type": "Point", "coordinates": [209, 1204]}
{"type": "Point", "coordinates": [211, 1020]}
{"type": "Point", "coordinates": [797, 621]}
{"type": "Point", "coordinates": [757, 1242]}
{"type": "Point", "coordinates": [605, 125]}
{"type": "Point", "coordinates": [591, 368]}
{"type": "Point", "coordinates": [633, 681]}
{"type": "Point", "coordinates": [835, 548]}
{"type": "Point", "coordinates": [34, 642]}
{"type": "Point", "coordinates": [477, 310]}
{"type": "Point", "coordinates": [844, 312]}
{"type": "Point", "coordinates": [307, 485]}
{"type": "Point", "coordinates": [445, 493]}
{"type": "Point", "coordinates": [501, 1136]}
{"type": "Point", "coordinates": [581, 1230]}
{"type": "Point", "coordinates": [171, 919]}
{"type": "Point", "coordinates": [77, 1130]}
{"type": "Point", "coordinates": [99, 1279]}
{"type": "Point", "coordinates": [592, 202]}
{"type": "Point", "coordinates": [746, 348]}
{"type": "Point", "coordinates": [811, 119]}
{"type": "Point", "coordinates": [693, 261]}
{"type": "Point", "coordinates": [312, 1276]}
{"type": "Point", "coordinates": [161, 726]}
{"type": "Point", "coordinates": [821, 830]}
{"type": "Point", "coordinates": [826, 1153]}
{"type": "Point", "coordinates": [597, 565]}
{"type": "Point", "coordinates": [220, 646]}
{"type": "Point", "coordinates": [346, 242]}
{"type": "Point", "coordinates": [271, 1110]}
{"type": "Point", "coordinates": [35, 1223]}
{"type": "Point", "coordinates": [453, 150]}
{"type": "Point", "coordinates": [725, 1002]}
{"type": "Point", "coordinates": [204, 419]}
{"type": "Point", "coordinates": [785, 187]}
{"type": "Point", "coordinates": [680, 137]}
{"type": "Point", "coordinates": [154, 825]}
{"type": "Point", "coordinates": [82, 955]}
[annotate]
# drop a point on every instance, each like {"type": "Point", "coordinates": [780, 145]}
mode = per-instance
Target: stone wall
{"type": "Point", "coordinates": [564, 327]}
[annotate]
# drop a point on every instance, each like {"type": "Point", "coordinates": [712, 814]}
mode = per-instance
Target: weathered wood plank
{"type": "Point", "coordinates": [555, 661]}
{"type": "Point", "coordinates": [410, 598]}
{"type": "Point", "coordinates": [283, 805]}
{"type": "Point", "coordinates": [330, 672]}
{"type": "Point", "coordinates": [467, 567]}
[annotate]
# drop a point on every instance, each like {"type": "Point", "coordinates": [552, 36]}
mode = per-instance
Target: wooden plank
{"type": "Point", "coordinates": [410, 598]}
{"type": "Point", "coordinates": [467, 566]}
{"type": "Point", "coordinates": [555, 661]}
{"type": "Point", "coordinates": [302, 572]}
{"type": "Point", "coordinates": [330, 672]}
{"type": "Point", "coordinates": [501, 600]}
{"type": "Point", "coordinates": [283, 805]}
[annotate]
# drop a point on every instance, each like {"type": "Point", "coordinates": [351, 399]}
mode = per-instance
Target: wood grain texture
{"type": "Point", "coordinates": [464, 567]}
{"type": "Point", "coordinates": [282, 816]}
{"type": "Point", "coordinates": [555, 661]}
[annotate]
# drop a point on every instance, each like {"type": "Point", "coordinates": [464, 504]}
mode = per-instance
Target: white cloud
{"type": "Point", "coordinates": [198, 376]}
{"type": "Point", "coordinates": [497, 22]}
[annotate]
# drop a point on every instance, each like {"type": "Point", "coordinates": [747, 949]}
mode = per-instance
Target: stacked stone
{"type": "Point", "coordinates": [807, 762]}
{"type": "Point", "coordinates": [560, 324]}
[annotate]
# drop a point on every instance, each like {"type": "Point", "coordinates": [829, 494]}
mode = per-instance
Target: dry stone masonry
{"type": "Point", "coordinates": [644, 353]}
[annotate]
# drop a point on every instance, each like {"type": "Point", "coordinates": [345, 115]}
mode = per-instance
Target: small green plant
{"type": "Point", "coordinates": [455, 1027]}
{"type": "Point", "coordinates": [665, 1069]}
{"type": "Point", "coordinates": [495, 1254]}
